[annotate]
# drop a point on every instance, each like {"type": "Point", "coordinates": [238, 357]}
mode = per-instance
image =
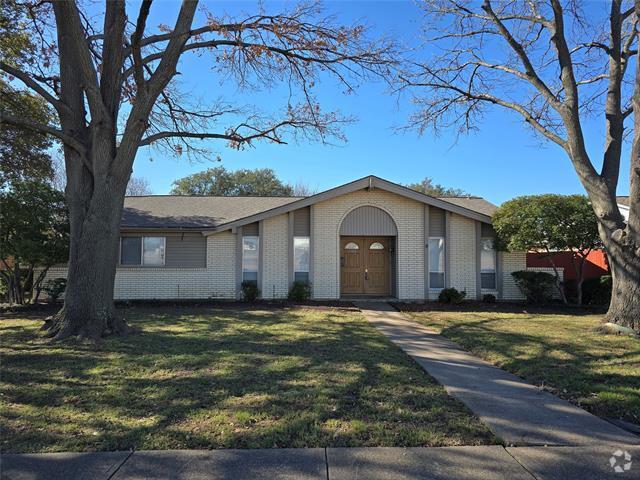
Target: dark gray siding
{"type": "Point", "coordinates": [368, 220]}
{"type": "Point", "coordinates": [301, 224]}
{"type": "Point", "coordinates": [188, 250]}
{"type": "Point", "coordinates": [436, 222]}
{"type": "Point", "coordinates": [251, 230]}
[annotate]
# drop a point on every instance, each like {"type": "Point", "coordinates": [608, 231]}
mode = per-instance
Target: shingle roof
{"type": "Point", "coordinates": [476, 204]}
{"type": "Point", "coordinates": [177, 211]}
{"type": "Point", "coordinates": [623, 201]}
{"type": "Point", "coordinates": [208, 213]}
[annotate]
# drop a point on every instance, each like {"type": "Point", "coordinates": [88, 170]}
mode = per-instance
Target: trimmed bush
{"type": "Point", "coordinates": [300, 291]}
{"type": "Point", "coordinates": [597, 291]}
{"type": "Point", "coordinates": [489, 298]}
{"type": "Point", "coordinates": [451, 295]}
{"type": "Point", "coordinates": [250, 291]}
{"type": "Point", "coordinates": [54, 288]}
{"type": "Point", "coordinates": [537, 287]}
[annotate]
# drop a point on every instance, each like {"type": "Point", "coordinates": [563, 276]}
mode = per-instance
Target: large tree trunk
{"type": "Point", "coordinates": [89, 310]}
{"type": "Point", "coordinates": [624, 308]}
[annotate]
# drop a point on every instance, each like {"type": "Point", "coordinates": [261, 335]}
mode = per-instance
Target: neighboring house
{"type": "Point", "coordinates": [369, 237]}
{"type": "Point", "coordinates": [596, 264]}
{"type": "Point", "coordinates": [623, 205]}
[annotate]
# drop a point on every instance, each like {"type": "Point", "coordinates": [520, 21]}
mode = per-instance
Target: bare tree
{"type": "Point", "coordinates": [302, 189]}
{"type": "Point", "coordinates": [91, 65]}
{"type": "Point", "coordinates": [138, 186]}
{"type": "Point", "coordinates": [554, 66]}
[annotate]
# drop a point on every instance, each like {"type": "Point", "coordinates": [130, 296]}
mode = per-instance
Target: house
{"type": "Point", "coordinates": [369, 237]}
{"type": "Point", "coordinates": [596, 263]}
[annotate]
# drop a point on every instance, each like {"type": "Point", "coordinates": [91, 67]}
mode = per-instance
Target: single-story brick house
{"type": "Point", "coordinates": [369, 237]}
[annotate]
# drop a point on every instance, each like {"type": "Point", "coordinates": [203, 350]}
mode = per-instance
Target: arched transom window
{"type": "Point", "coordinates": [351, 246]}
{"type": "Point", "coordinates": [376, 246]}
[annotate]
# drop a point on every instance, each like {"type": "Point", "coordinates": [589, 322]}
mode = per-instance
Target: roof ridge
{"type": "Point", "coordinates": [211, 196]}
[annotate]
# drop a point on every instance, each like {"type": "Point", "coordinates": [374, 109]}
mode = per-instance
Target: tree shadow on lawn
{"type": "Point", "coordinates": [214, 378]}
{"type": "Point", "coordinates": [598, 373]}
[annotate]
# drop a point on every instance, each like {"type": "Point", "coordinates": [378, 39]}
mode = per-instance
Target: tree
{"type": "Point", "coordinates": [552, 65]}
{"type": "Point", "coordinates": [548, 224]}
{"type": "Point", "coordinates": [138, 186]}
{"type": "Point", "coordinates": [301, 189]}
{"type": "Point", "coordinates": [23, 152]}
{"type": "Point", "coordinates": [90, 65]}
{"type": "Point", "coordinates": [428, 187]}
{"type": "Point", "coordinates": [34, 235]}
{"type": "Point", "coordinates": [261, 182]}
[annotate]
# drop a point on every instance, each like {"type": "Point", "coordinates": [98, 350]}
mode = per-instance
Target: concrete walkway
{"type": "Point", "coordinates": [446, 463]}
{"type": "Point", "coordinates": [515, 411]}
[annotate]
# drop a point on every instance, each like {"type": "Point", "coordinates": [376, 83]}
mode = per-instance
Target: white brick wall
{"type": "Point", "coordinates": [275, 266]}
{"type": "Point", "coordinates": [221, 265]}
{"type": "Point", "coordinates": [409, 217]}
{"type": "Point", "coordinates": [512, 262]}
{"type": "Point", "coordinates": [462, 245]}
{"type": "Point", "coordinates": [215, 281]}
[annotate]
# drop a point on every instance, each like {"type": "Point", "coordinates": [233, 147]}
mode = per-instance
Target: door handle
{"type": "Point", "coordinates": [366, 274]}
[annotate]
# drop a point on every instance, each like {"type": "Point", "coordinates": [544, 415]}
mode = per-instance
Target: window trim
{"type": "Point", "coordinates": [444, 257]}
{"type": "Point", "coordinates": [142, 264]}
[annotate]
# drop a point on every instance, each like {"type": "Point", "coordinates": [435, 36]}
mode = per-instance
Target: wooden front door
{"type": "Point", "coordinates": [364, 265]}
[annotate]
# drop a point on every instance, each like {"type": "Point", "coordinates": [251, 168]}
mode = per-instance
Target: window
{"type": "Point", "coordinates": [147, 251]}
{"type": "Point", "coordinates": [351, 246]}
{"type": "Point", "coordinates": [487, 264]}
{"type": "Point", "coordinates": [250, 246]}
{"type": "Point", "coordinates": [301, 249]}
{"type": "Point", "coordinates": [436, 262]}
{"type": "Point", "coordinates": [376, 246]}
{"type": "Point", "coordinates": [130, 250]}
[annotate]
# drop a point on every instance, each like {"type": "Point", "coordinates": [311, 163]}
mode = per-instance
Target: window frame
{"type": "Point", "coordinates": [141, 263]}
{"type": "Point", "coordinates": [444, 262]}
{"type": "Point", "coordinates": [308, 249]}
{"type": "Point", "coordinates": [257, 270]}
{"type": "Point", "coordinates": [484, 271]}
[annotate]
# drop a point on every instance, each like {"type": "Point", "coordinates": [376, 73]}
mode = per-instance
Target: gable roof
{"type": "Point", "coordinates": [212, 214]}
{"type": "Point", "coordinates": [369, 182]}
{"type": "Point", "coordinates": [193, 212]}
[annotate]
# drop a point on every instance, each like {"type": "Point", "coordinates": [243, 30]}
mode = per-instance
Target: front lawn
{"type": "Point", "coordinates": [559, 351]}
{"type": "Point", "coordinates": [223, 378]}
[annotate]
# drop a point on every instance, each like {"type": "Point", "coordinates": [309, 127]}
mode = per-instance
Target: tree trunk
{"type": "Point", "coordinates": [624, 308]}
{"type": "Point", "coordinates": [88, 310]}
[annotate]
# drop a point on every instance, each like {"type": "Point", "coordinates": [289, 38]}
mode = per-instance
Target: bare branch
{"type": "Point", "coordinates": [35, 86]}
{"type": "Point", "coordinates": [42, 128]}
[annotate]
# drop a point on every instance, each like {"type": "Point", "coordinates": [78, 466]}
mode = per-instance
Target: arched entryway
{"type": "Point", "coordinates": [367, 253]}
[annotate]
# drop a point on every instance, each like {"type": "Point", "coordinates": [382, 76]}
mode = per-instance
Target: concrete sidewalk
{"type": "Point", "coordinates": [446, 463]}
{"type": "Point", "coordinates": [517, 412]}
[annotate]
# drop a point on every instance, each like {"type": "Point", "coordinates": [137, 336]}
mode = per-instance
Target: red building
{"type": "Point", "coordinates": [596, 264]}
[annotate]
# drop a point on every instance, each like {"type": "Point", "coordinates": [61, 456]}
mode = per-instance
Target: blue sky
{"type": "Point", "coordinates": [499, 162]}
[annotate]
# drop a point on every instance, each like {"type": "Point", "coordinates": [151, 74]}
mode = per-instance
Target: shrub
{"type": "Point", "coordinates": [451, 295]}
{"type": "Point", "coordinates": [300, 291]}
{"type": "Point", "coordinates": [250, 291]}
{"type": "Point", "coordinates": [489, 298]}
{"type": "Point", "coordinates": [597, 291]}
{"type": "Point", "coordinates": [54, 288]}
{"type": "Point", "coordinates": [537, 287]}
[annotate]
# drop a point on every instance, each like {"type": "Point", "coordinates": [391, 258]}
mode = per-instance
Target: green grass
{"type": "Point", "coordinates": [561, 352]}
{"type": "Point", "coordinates": [223, 378]}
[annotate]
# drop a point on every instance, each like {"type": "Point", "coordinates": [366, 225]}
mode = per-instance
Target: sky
{"type": "Point", "coordinates": [500, 161]}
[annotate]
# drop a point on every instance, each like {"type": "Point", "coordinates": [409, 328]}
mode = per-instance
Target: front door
{"type": "Point", "coordinates": [364, 265]}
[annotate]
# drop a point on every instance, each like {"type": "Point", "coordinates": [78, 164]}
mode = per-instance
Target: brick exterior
{"type": "Point", "coordinates": [409, 217]}
{"type": "Point", "coordinates": [215, 281]}
{"type": "Point", "coordinates": [462, 245]}
{"type": "Point", "coordinates": [218, 279]}
{"type": "Point", "coordinates": [275, 263]}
